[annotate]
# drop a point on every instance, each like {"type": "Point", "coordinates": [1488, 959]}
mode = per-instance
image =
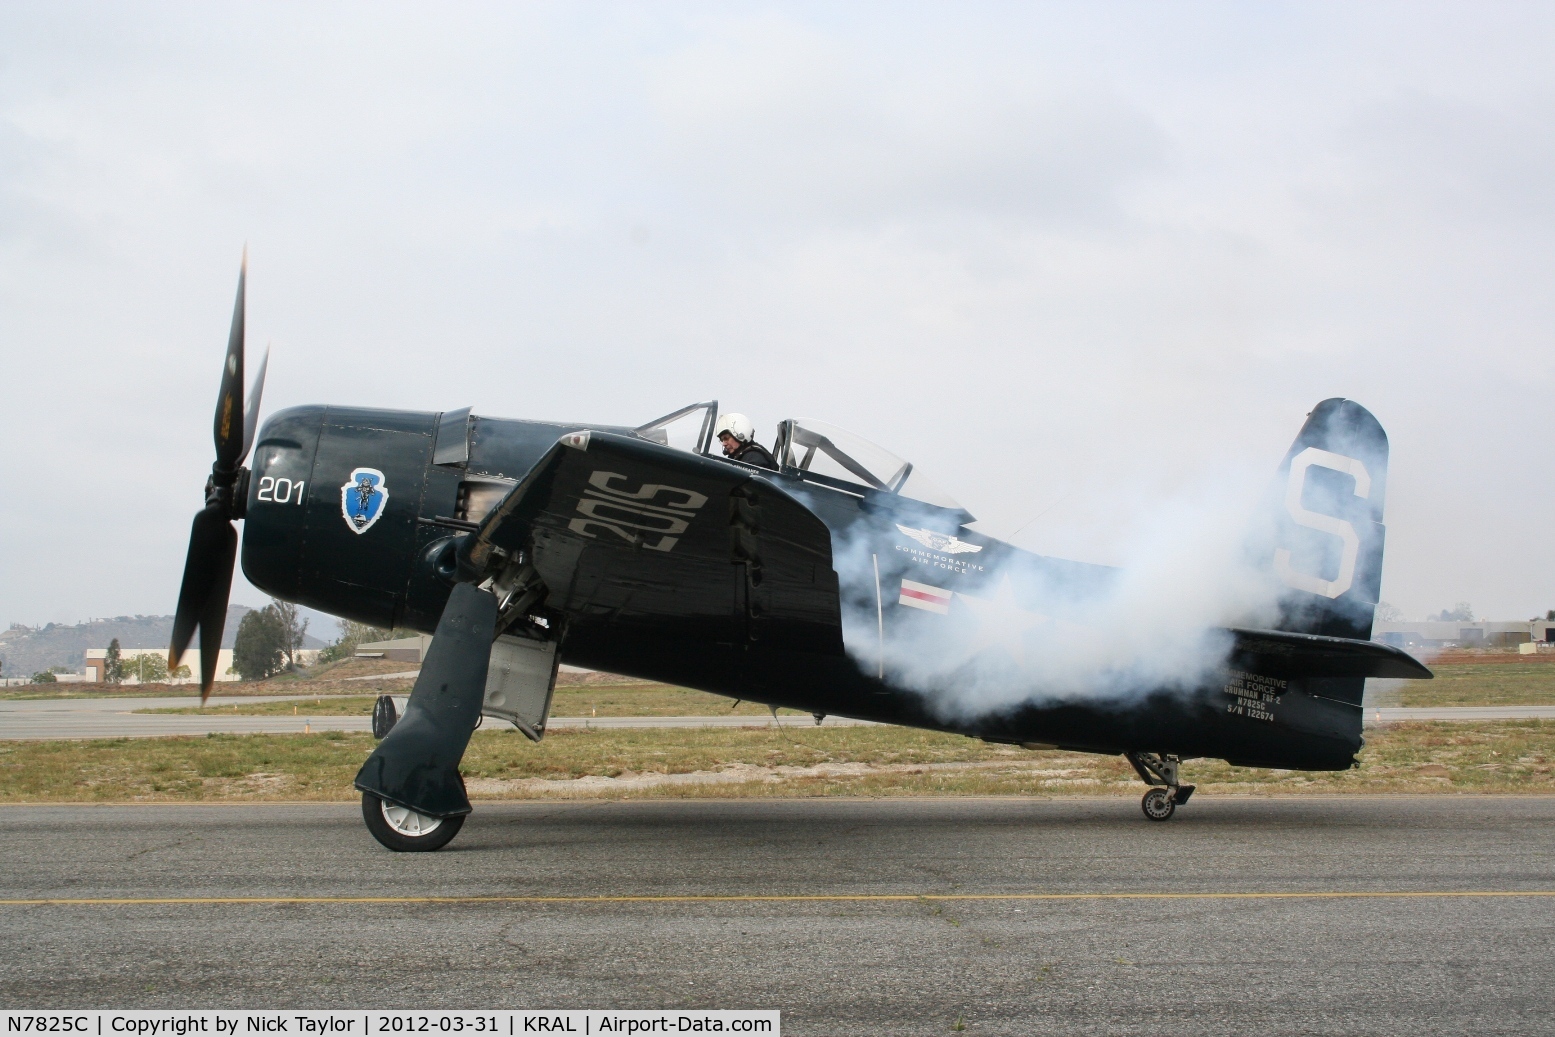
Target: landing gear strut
{"type": "Point", "coordinates": [1161, 802]}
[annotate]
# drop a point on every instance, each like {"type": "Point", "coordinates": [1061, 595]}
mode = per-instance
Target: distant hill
{"type": "Point", "coordinates": [26, 650]}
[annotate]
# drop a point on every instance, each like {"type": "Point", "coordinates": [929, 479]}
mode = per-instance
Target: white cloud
{"type": "Point", "coordinates": [772, 117]}
{"type": "Point", "coordinates": [1054, 253]}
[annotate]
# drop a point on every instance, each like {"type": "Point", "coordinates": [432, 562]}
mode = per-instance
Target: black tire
{"type": "Point", "coordinates": [385, 716]}
{"type": "Point", "coordinates": [1158, 805]}
{"type": "Point", "coordinates": [376, 813]}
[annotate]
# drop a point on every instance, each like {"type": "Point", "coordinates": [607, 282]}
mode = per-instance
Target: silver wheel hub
{"type": "Point", "coordinates": [408, 822]}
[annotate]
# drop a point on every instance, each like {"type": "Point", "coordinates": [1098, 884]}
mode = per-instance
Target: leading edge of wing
{"type": "Point", "coordinates": [1315, 655]}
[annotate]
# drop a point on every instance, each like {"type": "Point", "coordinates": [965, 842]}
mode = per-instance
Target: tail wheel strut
{"type": "Point", "coordinates": [1166, 792]}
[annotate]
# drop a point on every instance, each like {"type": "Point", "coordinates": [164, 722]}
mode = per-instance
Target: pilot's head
{"type": "Point", "coordinates": [734, 431]}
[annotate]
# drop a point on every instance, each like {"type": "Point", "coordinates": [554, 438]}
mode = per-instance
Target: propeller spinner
{"type": "Point", "coordinates": [213, 542]}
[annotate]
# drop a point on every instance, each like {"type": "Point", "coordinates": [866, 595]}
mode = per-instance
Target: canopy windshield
{"type": "Point", "coordinates": [835, 455]}
{"type": "Point", "coordinates": [689, 429]}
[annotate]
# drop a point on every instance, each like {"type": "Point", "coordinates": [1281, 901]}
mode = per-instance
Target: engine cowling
{"type": "Point", "coordinates": [335, 502]}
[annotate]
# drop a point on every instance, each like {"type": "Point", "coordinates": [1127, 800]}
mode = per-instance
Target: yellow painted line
{"type": "Point", "coordinates": [763, 898]}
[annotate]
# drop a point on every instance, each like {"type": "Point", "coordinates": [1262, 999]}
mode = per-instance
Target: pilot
{"type": "Point", "coordinates": [738, 436]}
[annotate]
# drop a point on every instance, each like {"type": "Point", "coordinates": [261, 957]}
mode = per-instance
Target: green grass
{"type": "Point", "coordinates": [1457, 684]}
{"type": "Point", "coordinates": [1501, 684]}
{"type": "Point", "coordinates": [226, 689]}
{"type": "Point", "coordinates": [1502, 757]}
{"type": "Point", "coordinates": [629, 700]}
{"type": "Point", "coordinates": [328, 706]}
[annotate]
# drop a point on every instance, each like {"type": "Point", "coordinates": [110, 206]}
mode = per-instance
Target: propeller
{"type": "Point", "coordinates": [213, 542]}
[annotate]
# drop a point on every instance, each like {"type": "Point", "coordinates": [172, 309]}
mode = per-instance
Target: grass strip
{"type": "Point", "coordinates": [631, 700]}
{"type": "Point", "coordinates": [1506, 684]}
{"type": "Point", "coordinates": [1456, 684]}
{"type": "Point", "coordinates": [1488, 757]}
{"type": "Point", "coordinates": [225, 689]}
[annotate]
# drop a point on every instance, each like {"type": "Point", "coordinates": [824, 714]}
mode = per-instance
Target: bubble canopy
{"type": "Point", "coordinates": [826, 453]}
{"type": "Point", "coordinates": [814, 450]}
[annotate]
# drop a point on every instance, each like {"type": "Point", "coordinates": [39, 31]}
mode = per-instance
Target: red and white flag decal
{"type": "Point", "coordinates": [922, 596]}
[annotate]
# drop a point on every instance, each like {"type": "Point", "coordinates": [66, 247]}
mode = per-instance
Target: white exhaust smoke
{"type": "Point", "coordinates": [978, 628]}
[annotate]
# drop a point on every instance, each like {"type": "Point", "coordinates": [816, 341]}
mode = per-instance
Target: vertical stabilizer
{"type": "Point", "coordinates": [1328, 532]}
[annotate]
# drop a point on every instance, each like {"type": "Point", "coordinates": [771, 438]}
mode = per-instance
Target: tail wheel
{"type": "Point", "coordinates": [404, 830]}
{"type": "Point", "coordinates": [385, 716]}
{"type": "Point", "coordinates": [1158, 804]}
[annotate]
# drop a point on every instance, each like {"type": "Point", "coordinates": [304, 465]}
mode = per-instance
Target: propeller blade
{"type": "Point", "coordinates": [229, 402]}
{"type": "Point", "coordinates": [251, 412]}
{"type": "Point", "coordinates": [214, 616]}
{"type": "Point", "coordinates": [203, 571]}
{"type": "Point", "coordinates": [213, 542]}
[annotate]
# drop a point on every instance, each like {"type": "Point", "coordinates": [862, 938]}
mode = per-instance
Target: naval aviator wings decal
{"type": "Point", "coordinates": [940, 542]}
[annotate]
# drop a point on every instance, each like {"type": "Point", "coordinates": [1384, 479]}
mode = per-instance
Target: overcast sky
{"type": "Point", "coordinates": [1068, 258]}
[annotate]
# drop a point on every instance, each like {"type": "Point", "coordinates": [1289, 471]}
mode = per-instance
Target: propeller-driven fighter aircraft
{"type": "Point", "coordinates": [638, 551]}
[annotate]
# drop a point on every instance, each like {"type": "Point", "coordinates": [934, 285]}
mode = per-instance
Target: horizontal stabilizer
{"type": "Point", "coordinates": [1314, 655]}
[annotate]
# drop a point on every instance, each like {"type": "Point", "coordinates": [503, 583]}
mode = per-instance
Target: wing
{"type": "Point", "coordinates": [640, 544]}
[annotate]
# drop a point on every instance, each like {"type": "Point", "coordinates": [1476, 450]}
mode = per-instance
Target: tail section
{"type": "Point", "coordinates": [1328, 532]}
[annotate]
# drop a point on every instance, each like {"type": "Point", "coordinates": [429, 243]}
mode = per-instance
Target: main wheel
{"type": "Point", "coordinates": [1158, 805]}
{"type": "Point", "coordinates": [404, 830]}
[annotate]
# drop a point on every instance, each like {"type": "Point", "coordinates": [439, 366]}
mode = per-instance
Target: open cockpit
{"type": "Point", "coordinates": [811, 450]}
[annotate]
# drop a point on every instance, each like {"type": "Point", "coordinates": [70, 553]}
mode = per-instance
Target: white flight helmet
{"type": "Point", "coordinates": [737, 425]}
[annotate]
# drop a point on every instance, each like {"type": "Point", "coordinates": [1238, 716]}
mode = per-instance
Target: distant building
{"type": "Point", "coordinates": [400, 650]}
{"type": "Point", "coordinates": [97, 664]}
{"type": "Point", "coordinates": [1454, 634]}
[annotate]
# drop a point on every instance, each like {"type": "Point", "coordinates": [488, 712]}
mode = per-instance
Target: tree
{"type": "Point", "coordinates": [1462, 612]}
{"type": "Point", "coordinates": [113, 665]}
{"type": "Point", "coordinates": [351, 635]}
{"type": "Point", "coordinates": [149, 668]}
{"type": "Point", "coordinates": [292, 631]}
{"type": "Point", "coordinates": [257, 651]}
{"type": "Point", "coordinates": [44, 677]}
{"type": "Point", "coordinates": [1389, 613]}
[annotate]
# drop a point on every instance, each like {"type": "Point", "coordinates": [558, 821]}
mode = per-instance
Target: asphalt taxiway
{"type": "Point", "coordinates": [1417, 915]}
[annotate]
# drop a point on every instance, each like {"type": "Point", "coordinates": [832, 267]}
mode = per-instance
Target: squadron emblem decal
{"type": "Point", "coordinates": [940, 542]}
{"type": "Point", "coordinates": [363, 498]}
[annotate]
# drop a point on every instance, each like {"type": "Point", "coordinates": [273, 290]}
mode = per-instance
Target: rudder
{"type": "Point", "coordinates": [1328, 533]}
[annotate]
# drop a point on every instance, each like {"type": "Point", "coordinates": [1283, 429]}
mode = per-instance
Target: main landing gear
{"type": "Point", "coordinates": [404, 830]}
{"type": "Point", "coordinates": [1161, 802]}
